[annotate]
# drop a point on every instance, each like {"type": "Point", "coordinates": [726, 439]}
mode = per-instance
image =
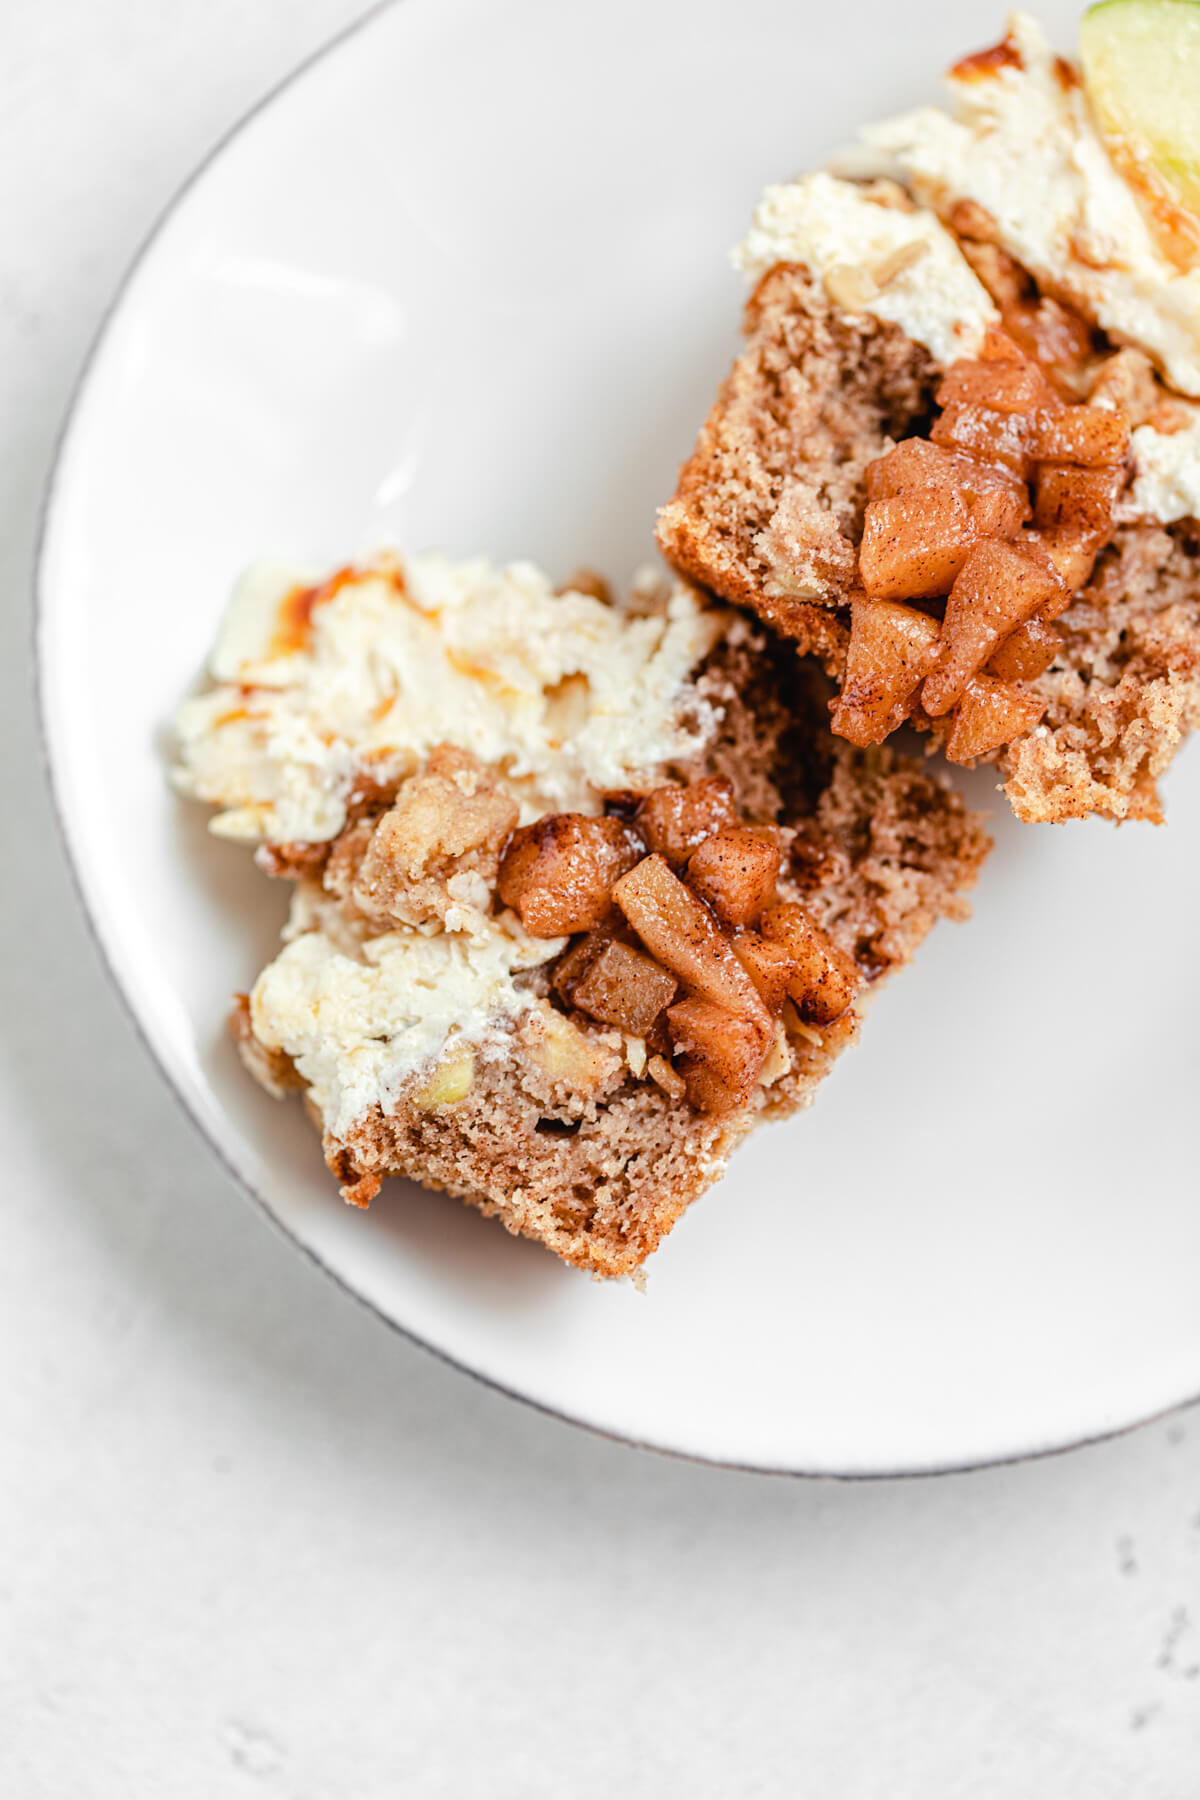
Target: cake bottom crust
{"type": "Point", "coordinates": [600, 1192]}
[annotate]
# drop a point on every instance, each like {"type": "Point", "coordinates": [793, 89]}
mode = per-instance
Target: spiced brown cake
{"type": "Point", "coordinates": [959, 457]}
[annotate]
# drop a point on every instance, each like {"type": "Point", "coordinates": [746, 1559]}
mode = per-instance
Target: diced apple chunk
{"type": "Point", "coordinates": [673, 820]}
{"type": "Point", "coordinates": [997, 501]}
{"type": "Point", "coordinates": [916, 463]}
{"type": "Point", "coordinates": [998, 513]}
{"type": "Point", "coordinates": [914, 544]}
{"type": "Point", "coordinates": [1001, 586]}
{"type": "Point", "coordinates": [971, 220]}
{"type": "Point", "coordinates": [1057, 338]}
{"type": "Point", "coordinates": [770, 967]}
{"type": "Point", "coordinates": [1073, 555]}
{"type": "Point", "coordinates": [990, 714]}
{"type": "Point", "coordinates": [564, 1054]}
{"type": "Point", "coordinates": [558, 873]}
{"type": "Point", "coordinates": [626, 988]}
{"type": "Point", "coordinates": [1093, 436]}
{"type": "Point", "coordinates": [890, 652]}
{"type": "Point", "coordinates": [704, 1088]}
{"type": "Point", "coordinates": [1026, 653]}
{"type": "Point", "coordinates": [1074, 499]}
{"type": "Point", "coordinates": [679, 930]}
{"type": "Point", "coordinates": [450, 1082]}
{"type": "Point", "coordinates": [575, 962]}
{"type": "Point", "coordinates": [826, 979]}
{"type": "Point", "coordinates": [724, 1053]}
{"type": "Point", "coordinates": [994, 437]}
{"type": "Point", "coordinates": [1006, 387]}
{"type": "Point", "coordinates": [913, 463]}
{"type": "Point", "coordinates": [734, 871]}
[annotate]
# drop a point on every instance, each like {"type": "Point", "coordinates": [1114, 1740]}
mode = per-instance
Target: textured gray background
{"type": "Point", "coordinates": [252, 1543]}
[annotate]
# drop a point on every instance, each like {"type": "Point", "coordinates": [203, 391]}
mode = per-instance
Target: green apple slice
{"type": "Point", "coordinates": [1141, 67]}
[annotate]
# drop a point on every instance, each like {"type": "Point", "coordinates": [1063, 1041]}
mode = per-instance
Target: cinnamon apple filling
{"type": "Point", "coordinates": [678, 936]}
{"type": "Point", "coordinates": [974, 542]}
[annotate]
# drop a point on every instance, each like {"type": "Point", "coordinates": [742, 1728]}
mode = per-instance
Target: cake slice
{"type": "Point", "coordinates": [581, 891]}
{"type": "Point", "coordinates": [958, 460]}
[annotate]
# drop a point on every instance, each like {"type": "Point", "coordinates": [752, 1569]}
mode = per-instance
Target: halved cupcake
{"type": "Point", "coordinates": [959, 457]}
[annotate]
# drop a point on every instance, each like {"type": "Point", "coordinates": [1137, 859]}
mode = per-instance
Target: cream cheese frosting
{"type": "Point", "coordinates": [898, 265]}
{"type": "Point", "coordinates": [1166, 473]}
{"type": "Point", "coordinates": [1020, 141]}
{"type": "Point", "coordinates": [316, 685]}
{"type": "Point", "coordinates": [360, 1018]}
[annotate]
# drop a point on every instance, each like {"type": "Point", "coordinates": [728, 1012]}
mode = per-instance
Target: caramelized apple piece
{"type": "Point", "coordinates": [997, 513]}
{"type": "Point", "coordinates": [916, 463]}
{"type": "Point", "coordinates": [1006, 387]}
{"type": "Point", "coordinates": [1060, 342]}
{"type": "Point", "coordinates": [1126, 383]}
{"type": "Point", "coordinates": [914, 544]}
{"type": "Point", "coordinates": [891, 651]}
{"type": "Point", "coordinates": [997, 500]}
{"type": "Point", "coordinates": [1057, 338]}
{"type": "Point", "coordinates": [1001, 586]}
{"type": "Point", "coordinates": [673, 820]}
{"type": "Point", "coordinates": [1073, 555]}
{"type": "Point", "coordinates": [1043, 553]}
{"type": "Point", "coordinates": [1074, 499]}
{"type": "Point", "coordinates": [626, 988]}
{"type": "Point", "coordinates": [972, 221]}
{"type": "Point", "coordinates": [990, 714]}
{"type": "Point", "coordinates": [575, 962]}
{"type": "Point", "coordinates": [1026, 653]}
{"type": "Point", "coordinates": [704, 1088]}
{"type": "Point", "coordinates": [1094, 436]}
{"type": "Point", "coordinates": [826, 979]}
{"type": "Point", "coordinates": [913, 463]}
{"type": "Point", "coordinates": [734, 871]}
{"type": "Point", "coordinates": [994, 437]}
{"type": "Point", "coordinates": [558, 873]}
{"type": "Point", "coordinates": [770, 967]}
{"type": "Point", "coordinates": [728, 1047]}
{"type": "Point", "coordinates": [680, 931]}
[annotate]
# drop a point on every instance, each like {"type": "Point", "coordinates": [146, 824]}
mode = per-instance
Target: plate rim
{"type": "Point", "coordinates": [49, 512]}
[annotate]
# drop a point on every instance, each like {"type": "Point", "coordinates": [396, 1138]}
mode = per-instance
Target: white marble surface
{"type": "Point", "coordinates": [252, 1543]}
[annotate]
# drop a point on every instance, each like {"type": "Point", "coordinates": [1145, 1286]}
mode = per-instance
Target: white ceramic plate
{"type": "Point", "coordinates": [464, 282]}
